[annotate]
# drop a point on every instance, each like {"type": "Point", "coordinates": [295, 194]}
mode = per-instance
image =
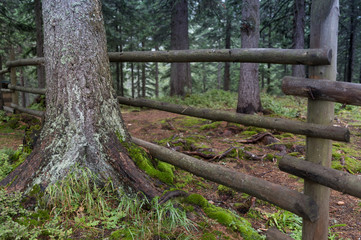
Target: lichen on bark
{"type": "Point", "coordinates": [83, 117]}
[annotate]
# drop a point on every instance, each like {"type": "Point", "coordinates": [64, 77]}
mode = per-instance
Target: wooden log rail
{"type": "Point", "coordinates": [27, 89]}
{"type": "Point", "coordinates": [285, 125]}
{"type": "Point", "coordinates": [311, 57]}
{"type": "Point", "coordinates": [321, 89]}
{"type": "Point", "coordinates": [279, 195]}
{"type": "Point", "coordinates": [257, 55]}
{"type": "Point", "coordinates": [27, 110]}
{"type": "Point", "coordinates": [337, 180]}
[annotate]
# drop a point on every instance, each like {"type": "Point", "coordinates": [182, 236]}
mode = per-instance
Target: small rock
{"type": "Point", "coordinates": [340, 203]}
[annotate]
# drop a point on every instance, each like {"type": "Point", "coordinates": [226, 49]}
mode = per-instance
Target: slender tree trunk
{"type": "Point", "coordinates": [39, 43]}
{"type": "Point", "coordinates": [180, 72]}
{"type": "Point", "coordinates": [219, 69]}
{"type": "Point", "coordinates": [143, 75]}
{"type": "Point", "coordinates": [1, 85]}
{"type": "Point", "coordinates": [269, 88]}
{"type": "Point", "coordinates": [204, 77]}
{"type": "Point", "coordinates": [352, 38]}
{"type": "Point", "coordinates": [298, 34]}
{"type": "Point", "coordinates": [227, 78]}
{"type": "Point", "coordinates": [138, 81]}
{"type": "Point", "coordinates": [117, 72]}
{"type": "Point", "coordinates": [248, 92]}
{"type": "Point", "coordinates": [156, 76]}
{"type": "Point", "coordinates": [22, 83]}
{"type": "Point", "coordinates": [132, 77]}
{"type": "Point", "coordinates": [83, 119]}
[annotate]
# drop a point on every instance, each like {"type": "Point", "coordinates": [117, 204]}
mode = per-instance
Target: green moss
{"type": "Point", "coordinates": [197, 200]}
{"type": "Point", "coordinates": [294, 154]}
{"type": "Point", "coordinates": [31, 135]}
{"type": "Point", "coordinates": [163, 171]}
{"type": "Point", "coordinates": [208, 236]}
{"type": "Point", "coordinates": [190, 121]}
{"type": "Point", "coordinates": [210, 126]}
{"type": "Point", "coordinates": [249, 133]}
{"type": "Point", "coordinates": [183, 179]}
{"type": "Point", "coordinates": [121, 234]}
{"type": "Point", "coordinates": [225, 217]}
{"type": "Point", "coordinates": [225, 190]}
{"type": "Point", "coordinates": [269, 157]}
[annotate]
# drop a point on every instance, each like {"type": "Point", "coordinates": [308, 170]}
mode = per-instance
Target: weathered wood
{"type": "Point", "coordinates": [275, 234]}
{"type": "Point", "coordinates": [255, 55]}
{"type": "Point", "coordinates": [285, 125]}
{"type": "Point", "coordinates": [340, 181]}
{"type": "Point", "coordinates": [27, 89]}
{"type": "Point", "coordinates": [279, 195]}
{"type": "Point", "coordinates": [310, 57]}
{"type": "Point", "coordinates": [4, 71]}
{"type": "Point", "coordinates": [6, 90]}
{"type": "Point", "coordinates": [323, 33]}
{"type": "Point", "coordinates": [9, 109]}
{"type": "Point", "coordinates": [27, 110]}
{"type": "Point", "coordinates": [321, 89]}
{"type": "Point", "coordinates": [14, 95]}
{"type": "Point", "coordinates": [25, 62]}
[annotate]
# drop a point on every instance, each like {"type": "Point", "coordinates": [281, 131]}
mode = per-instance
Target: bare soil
{"type": "Point", "coordinates": [154, 125]}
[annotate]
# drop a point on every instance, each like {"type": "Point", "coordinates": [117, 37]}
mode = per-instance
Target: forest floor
{"type": "Point", "coordinates": [156, 126]}
{"type": "Point", "coordinates": [250, 150]}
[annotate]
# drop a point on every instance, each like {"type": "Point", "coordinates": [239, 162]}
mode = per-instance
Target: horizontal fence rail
{"type": "Point", "coordinates": [25, 62]}
{"type": "Point", "coordinates": [256, 55]}
{"type": "Point", "coordinates": [27, 110]}
{"type": "Point", "coordinates": [279, 195]}
{"type": "Point", "coordinates": [337, 180]}
{"type": "Point", "coordinates": [27, 89]}
{"type": "Point", "coordinates": [321, 89]}
{"type": "Point", "coordinates": [285, 125]}
{"type": "Point", "coordinates": [311, 57]}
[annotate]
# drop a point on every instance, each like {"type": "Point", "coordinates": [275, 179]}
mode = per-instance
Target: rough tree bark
{"type": "Point", "coordinates": [1, 79]}
{"type": "Point", "coordinates": [248, 91]}
{"type": "Point", "coordinates": [180, 72]}
{"type": "Point", "coordinates": [298, 34]}
{"type": "Point", "coordinates": [352, 41]}
{"type": "Point", "coordinates": [227, 77]}
{"type": "Point", "coordinates": [83, 118]}
{"type": "Point", "coordinates": [39, 43]}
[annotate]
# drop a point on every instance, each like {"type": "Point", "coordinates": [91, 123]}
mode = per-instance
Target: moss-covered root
{"type": "Point", "coordinates": [161, 170]}
{"type": "Point", "coordinates": [225, 217]}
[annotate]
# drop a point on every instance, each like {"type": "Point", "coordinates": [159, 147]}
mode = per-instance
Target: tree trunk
{"type": "Point", "coordinates": [1, 85]}
{"type": "Point", "coordinates": [132, 78]}
{"type": "Point", "coordinates": [39, 43]}
{"type": "Point", "coordinates": [156, 76]}
{"type": "Point", "coordinates": [83, 117]}
{"type": "Point", "coordinates": [227, 78]}
{"type": "Point", "coordinates": [180, 72]}
{"type": "Point", "coordinates": [248, 92]}
{"type": "Point", "coordinates": [298, 34]}
{"type": "Point", "coordinates": [351, 46]}
{"type": "Point", "coordinates": [138, 81]}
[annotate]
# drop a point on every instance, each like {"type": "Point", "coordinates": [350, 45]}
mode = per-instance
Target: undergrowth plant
{"type": "Point", "coordinates": [81, 205]}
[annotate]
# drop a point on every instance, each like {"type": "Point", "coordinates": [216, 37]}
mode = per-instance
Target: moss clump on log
{"type": "Point", "coordinates": [225, 217]}
{"type": "Point", "coordinates": [157, 169]}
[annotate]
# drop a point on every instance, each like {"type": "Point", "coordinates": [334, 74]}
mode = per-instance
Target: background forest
{"type": "Point", "coordinates": [135, 25]}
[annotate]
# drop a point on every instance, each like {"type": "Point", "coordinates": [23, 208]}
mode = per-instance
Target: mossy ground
{"type": "Point", "coordinates": [193, 134]}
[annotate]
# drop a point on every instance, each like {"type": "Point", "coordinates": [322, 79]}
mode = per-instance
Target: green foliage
{"type": "Point", "coordinates": [9, 160]}
{"type": "Point", "coordinates": [287, 106]}
{"type": "Point", "coordinates": [225, 217]}
{"type": "Point", "coordinates": [161, 170]}
{"type": "Point", "coordinates": [216, 99]}
{"type": "Point", "coordinates": [286, 221]}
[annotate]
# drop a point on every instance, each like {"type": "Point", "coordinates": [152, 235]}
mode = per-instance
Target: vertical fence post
{"type": "Point", "coordinates": [14, 95]}
{"type": "Point", "coordinates": [324, 30]}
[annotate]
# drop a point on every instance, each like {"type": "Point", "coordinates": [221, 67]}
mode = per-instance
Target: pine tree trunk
{"type": "Point", "coordinates": [248, 91]}
{"type": "Point", "coordinates": [1, 79]}
{"type": "Point", "coordinates": [82, 118]}
{"type": "Point", "coordinates": [298, 34]}
{"type": "Point", "coordinates": [227, 78]}
{"type": "Point", "coordinates": [39, 43]}
{"type": "Point", "coordinates": [180, 72]}
{"type": "Point", "coordinates": [156, 76]}
{"type": "Point", "coordinates": [351, 46]}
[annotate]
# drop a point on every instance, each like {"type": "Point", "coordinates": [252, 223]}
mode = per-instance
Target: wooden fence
{"type": "Point", "coordinates": [320, 88]}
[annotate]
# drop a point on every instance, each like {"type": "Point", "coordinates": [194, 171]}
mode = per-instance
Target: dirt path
{"type": "Point", "coordinates": [154, 125]}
